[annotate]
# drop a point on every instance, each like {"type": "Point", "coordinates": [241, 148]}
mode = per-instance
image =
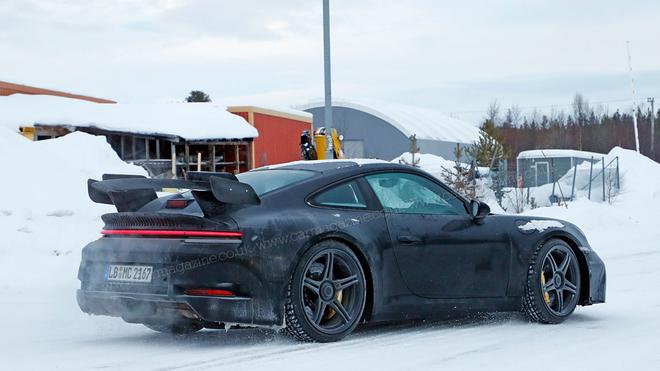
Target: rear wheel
{"type": "Point", "coordinates": [326, 295]}
{"type": "Point", "coordinates": [553, 283]}
{"type": "Point", "coordinates": [178, 328]}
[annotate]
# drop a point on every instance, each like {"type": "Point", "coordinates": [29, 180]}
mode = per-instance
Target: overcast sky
{"type": "Point", "coordinates": [455, 56]}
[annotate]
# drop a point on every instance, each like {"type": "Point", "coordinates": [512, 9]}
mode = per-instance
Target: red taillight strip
{"type": "Point", "coordinates": [170, 233]}
{"type": "Point", "coordinates": [208, 292]}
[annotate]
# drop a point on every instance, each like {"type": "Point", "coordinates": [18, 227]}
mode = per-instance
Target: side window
{"type": "Point", "coordinates": [343, 195]}
{"type": "Point", "coordinates": [413, 194]}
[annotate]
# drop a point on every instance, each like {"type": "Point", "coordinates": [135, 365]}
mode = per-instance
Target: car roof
{"type": "Point", "coordinates": [336, 166]}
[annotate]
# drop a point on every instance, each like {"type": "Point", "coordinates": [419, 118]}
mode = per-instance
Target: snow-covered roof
{"type": "Point", "coordinates": [558, 153]}
{"type": "Point", "coordinates": [191, 121]}
{"type": "Point", "coordinates": [424, 122]}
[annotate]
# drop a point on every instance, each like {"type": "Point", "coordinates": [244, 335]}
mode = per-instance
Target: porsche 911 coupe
{"type": "Point", "coordinates": [316, 248]}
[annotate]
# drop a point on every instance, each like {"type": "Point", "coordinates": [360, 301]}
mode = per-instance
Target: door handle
{"type": "Point", "coordinates": [409, 240]}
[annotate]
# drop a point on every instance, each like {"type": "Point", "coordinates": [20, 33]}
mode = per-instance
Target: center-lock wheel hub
{"type": "Point", "coordinates": [327, 291]}
{"type": "Point", "coordinates": [558, 280]}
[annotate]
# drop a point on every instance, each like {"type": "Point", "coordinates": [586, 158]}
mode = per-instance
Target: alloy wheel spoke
{"type": "Point", "coordinates": [549, 286]}
{"type": "Point", "coordinates": [570, 287]}
{"type": "Point", "coordinates": [312, 285]}
{"type": "Point", "coordinates": [565, 264]}
{"type": "Point", "coordinates": [319, 311]}
{"type": "Point", "coordinates": [553, 263]}
{"type": "Point", "coordinates": [560, 300]}
{"type": "Point", "coordinates": [344, 283]}
{"type": "Point", "coordinates": [329, 263]}
{"type": "Point", "coordinates": [339, 308]}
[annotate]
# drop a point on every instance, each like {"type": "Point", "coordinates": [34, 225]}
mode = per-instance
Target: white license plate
{"type": "Point", "coordinates": [129, 273]}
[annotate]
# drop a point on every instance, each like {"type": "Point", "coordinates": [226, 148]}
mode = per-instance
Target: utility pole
{"type": "Point", "coordinates": [652, 101]}
{"type": "Point", "coordinates": [634, 99]}
{"type": "Point", "coordinates": [326, 70]}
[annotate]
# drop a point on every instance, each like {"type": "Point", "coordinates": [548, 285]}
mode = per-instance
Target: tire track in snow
{"type": "Point", "coordinates": [392, 335]}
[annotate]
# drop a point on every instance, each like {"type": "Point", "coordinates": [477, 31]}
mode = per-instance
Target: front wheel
{"type": "Point", "coordinates": [326, 295]}
{"type": "Point", "coordinates": [553, 284]}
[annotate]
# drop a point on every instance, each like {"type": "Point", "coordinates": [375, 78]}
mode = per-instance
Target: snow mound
{"type": "Point", "coordinates": [640, 176]}
{"type": "Point", "coordinates": [432, 164]}
{"type": "Point", "coordinates": [50, 177]}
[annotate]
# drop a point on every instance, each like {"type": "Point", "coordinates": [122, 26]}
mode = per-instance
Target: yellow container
{"type": "Point", "coordinates": [28, 132]}
{"type": "Point", "coordinates": [319, 142]}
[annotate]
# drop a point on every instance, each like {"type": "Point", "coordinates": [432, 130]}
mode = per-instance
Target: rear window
{"type": "Point", "coordinates": [264, 181]}
{"type": "Point", "coordinates": [343, 195]}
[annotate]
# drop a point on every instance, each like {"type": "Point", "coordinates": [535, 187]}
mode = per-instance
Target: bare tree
{"type": "Point", "coordinates": [557, 116]}
{"type": "Point", "coordinates": [493, 113]}
{"type": "Point", "coordinates": [514, 115]}
{"type": "Point", "coordinates": [581, 113]}
{"type": "Point", "coordinates": [600, 111]}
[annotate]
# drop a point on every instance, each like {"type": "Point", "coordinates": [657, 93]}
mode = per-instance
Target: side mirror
{"type": "Point", "coordinates": [478, 210]}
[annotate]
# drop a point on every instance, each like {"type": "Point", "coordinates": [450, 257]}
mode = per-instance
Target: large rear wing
{"type": "Point", "coordinates": [211, 190]}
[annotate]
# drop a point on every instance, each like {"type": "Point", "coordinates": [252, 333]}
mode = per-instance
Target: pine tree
{"type": "Point", "coordinates": [413, 151]}
{"type": "Point", "coordinates": [460, 177]}
{"type": "Point", "coordinates": [487, 150]}
{"type": "Point", "coordinates": [198, 96]}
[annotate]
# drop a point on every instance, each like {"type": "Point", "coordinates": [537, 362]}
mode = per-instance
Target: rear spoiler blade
{"type": "Point", "coordinates": [131, 193]}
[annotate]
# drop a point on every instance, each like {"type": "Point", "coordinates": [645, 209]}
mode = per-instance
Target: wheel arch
{"type": "Point", "coordinates": [359, 253]}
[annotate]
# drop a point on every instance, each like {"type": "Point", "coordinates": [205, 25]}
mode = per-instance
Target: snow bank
{"type": "Point", "coordinates": [50, 177]}
{"type": "Point", "coordinates": [640, 176]}
{"type": "Point", "coordinates": [46, 217]}
{"type": "Point", "coordinates": [186, 120]}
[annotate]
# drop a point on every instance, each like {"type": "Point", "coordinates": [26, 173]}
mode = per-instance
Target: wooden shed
{"type": "Point", "coordinates": [166, 139]}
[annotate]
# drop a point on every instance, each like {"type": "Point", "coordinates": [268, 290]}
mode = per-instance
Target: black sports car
{"type": "Point", "coordinates": [318, 247]}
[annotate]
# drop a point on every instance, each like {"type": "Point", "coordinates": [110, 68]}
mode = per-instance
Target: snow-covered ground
{"type": "Point", "coordinates": [45, 219]}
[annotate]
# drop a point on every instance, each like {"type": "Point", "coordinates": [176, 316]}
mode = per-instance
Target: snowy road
{"type": "Point", "coordinates": [48, 331]}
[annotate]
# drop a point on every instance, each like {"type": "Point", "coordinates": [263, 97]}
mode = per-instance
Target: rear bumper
{"type": "Point", "coordinates": [180, 264]}
{"type": "Point", "coordinates": [145, 308]}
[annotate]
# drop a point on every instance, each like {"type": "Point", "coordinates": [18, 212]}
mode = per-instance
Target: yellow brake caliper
{"type": "Point", "coordinates": [331, 312]}
{"type": "Point", "coordinates": [546, 296]}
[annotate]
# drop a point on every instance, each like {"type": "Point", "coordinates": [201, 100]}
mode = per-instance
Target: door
{"type": "Point", "coordinates": [542, 173]}
{"type": "Point", "coordinates": [440, 251]}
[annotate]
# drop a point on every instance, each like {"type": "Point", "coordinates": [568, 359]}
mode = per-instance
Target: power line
{"type": "Point", "coordinates": [545, 106]}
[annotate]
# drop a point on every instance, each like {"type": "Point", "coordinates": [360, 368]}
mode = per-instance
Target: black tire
{"type": "Point", "coordinates": [552, 290]}
{"type": "Point", "coordinates": [325, 305]}
{"type": "Point", "coordinates": [179, 328]}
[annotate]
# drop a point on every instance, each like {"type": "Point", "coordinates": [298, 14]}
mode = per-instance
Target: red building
{"type": "Point", "coordinates": [279, 133]}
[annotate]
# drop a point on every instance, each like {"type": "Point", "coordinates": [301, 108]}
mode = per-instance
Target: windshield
{"type": "Point", "coordinates": [264, 181]}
